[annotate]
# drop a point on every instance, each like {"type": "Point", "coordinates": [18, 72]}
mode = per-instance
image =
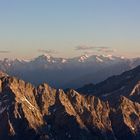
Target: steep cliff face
{"type": "Point", "coordinates": [45, 97]}
{"type": "Point", "coordinates": [73, 113]}
{"type": "Point", "coordinates": [19, 109]}
{"type": "Point", "coordinates": [44, 113]}
{"type": "Point", "coordinates": [47, 113]}
{"type": "Point", "coordinates": [125, 119]}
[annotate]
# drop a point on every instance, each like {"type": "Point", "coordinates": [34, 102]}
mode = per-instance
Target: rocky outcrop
{"type": "Point", "coordinates": [126, 120]}
{"type": "Point", "coordinates": [40, 113]}
{"type": "Point", "coordinates": [44, 113]}
{"type": "Point", "coordinates": [19, 109]}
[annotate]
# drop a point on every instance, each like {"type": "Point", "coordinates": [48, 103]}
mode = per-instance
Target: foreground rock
{"type": "Point", "coordinates": [44, 113]}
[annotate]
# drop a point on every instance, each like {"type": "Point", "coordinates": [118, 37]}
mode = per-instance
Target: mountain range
{"type": "Point", "coordinates": [109, 110]}
{"type": "Point", "coordinates": [68, 73]}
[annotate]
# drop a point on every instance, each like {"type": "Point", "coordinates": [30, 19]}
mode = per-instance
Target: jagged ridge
{"type": "Point", "coordinates": [44, 113]}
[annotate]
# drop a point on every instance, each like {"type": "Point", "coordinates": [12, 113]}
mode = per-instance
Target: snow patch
{"type": "Point", "coordinates": [83, 58]}
{"type": "Point", "coordinates": [64, 60]}
{"type": "Point", "coordinates": [31, 106]}
{"type": "Point", "coordinates": [99, 59]}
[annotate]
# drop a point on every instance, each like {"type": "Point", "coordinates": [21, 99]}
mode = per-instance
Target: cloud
{"type": "Point", "coordinates": [106, 50]}
{"type": "Point", "coordinates": [47, 51]}
{"type": "Point", "coordinates": [100, 49]}
{"type": "Point", "coordinates": [4, 51]}
{"type": "Point", "coordinates": [84, 47]}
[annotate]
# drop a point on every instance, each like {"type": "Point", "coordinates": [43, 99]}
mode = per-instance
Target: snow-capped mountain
{"type": "Point", "coordinates": [68, 72]}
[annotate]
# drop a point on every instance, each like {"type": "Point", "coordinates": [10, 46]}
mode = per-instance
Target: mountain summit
{"type": "Point", "coordinates": [74, 72]}
{"type": "Point", "coordinates": [110, 112]}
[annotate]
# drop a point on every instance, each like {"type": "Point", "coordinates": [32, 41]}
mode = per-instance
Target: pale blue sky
{"type": "Point", "coordinates": [61, 25]}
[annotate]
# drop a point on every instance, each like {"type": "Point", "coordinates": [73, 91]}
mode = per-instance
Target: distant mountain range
{"type": "Point", "coordinates": [68, 73]}
{"type": "Point", "coordinates": [109, 110]}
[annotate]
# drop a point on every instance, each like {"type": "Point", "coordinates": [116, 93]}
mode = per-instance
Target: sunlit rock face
{"type": "Point", "coordinates": [110, 112]}
{"type": "Point", "coordinates": [20, 114]}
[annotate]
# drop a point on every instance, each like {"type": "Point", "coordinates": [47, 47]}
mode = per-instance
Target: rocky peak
{"type": "Point", "coordinates": [126, 116]}
{"type": "Point", "coordinates": [19, 106]}
{"type": "Point", "coordinates": [45, 97]}
{"type": "Point", "coordinates": [2, 74]}
{"type": "Point", "coordinates": [45, 113]}
{"type": "Point", "coordinates": [136, 90]}
{"type": "Point", "coordinates": [44, 110]}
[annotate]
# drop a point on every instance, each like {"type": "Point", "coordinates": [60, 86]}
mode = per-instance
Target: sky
{"type": "Point", "coordinates": [68, 28]}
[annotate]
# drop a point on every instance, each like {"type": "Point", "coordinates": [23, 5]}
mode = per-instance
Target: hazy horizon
{"type": "Point", "coordinates": [63, 57]}
{"type": "Point", "coordinates": [69, 28]}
